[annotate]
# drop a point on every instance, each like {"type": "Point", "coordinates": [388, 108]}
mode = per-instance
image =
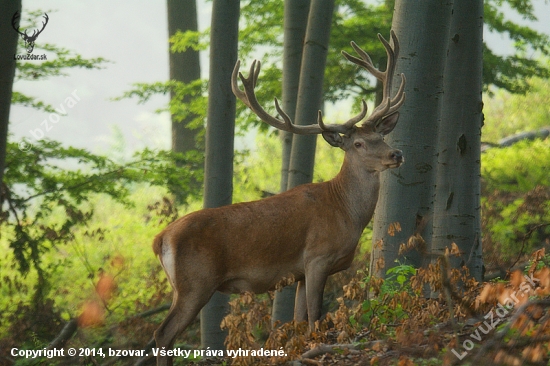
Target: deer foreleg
{"type": "Point", "coordinates": [315, 286]}
{"type": "Point", "coordinates": [300, 303]}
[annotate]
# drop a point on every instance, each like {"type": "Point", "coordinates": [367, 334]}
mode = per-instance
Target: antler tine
{"type": "Point", "coordinates": [399, 98]}
{"type": "Point", "coordinates": [256, 71]}
{"type": "Point", "coordinates": [358, 118]}
{"type": "Point", "coordinates": [346, 127]}
{"type": "Point", "coordinates": [365, 61]}
{"type": "Point", "coordinates": [248, 97]}
{"type": "Point", "coordinates": [234, 85]}
{"type": "Point", "coordinates": [395, 43]}
{"type": "Point", "coordinates": [379, 112]}
{"type": "Point", "coordinates": [390, 67]}
{"type": "Point", "coordinates": [388, 105]}
{"type": "Point", "coordinates": [289, 126]}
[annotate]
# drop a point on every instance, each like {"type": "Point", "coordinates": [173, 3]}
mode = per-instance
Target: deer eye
{"type": "Point", "coordinates": [358, 144]}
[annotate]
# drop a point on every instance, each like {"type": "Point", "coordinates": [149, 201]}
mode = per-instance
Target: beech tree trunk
{"type": "Point", "coordinates": [184, 67]}
{"type": "Point", "coordinates": [220, 130]}
{"type": "Point", "coordinates": [310, 91]}
{"type": "Point", "coordinates": [457, 191]}
{"type": "Point", "coordinates": [405, 202]}
{"type": "Point", "coordinates": [295, 23]}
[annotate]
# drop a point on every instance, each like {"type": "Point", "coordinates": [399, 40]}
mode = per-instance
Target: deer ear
{"type": "Point", "coordinates": [387, 124]}
{"type": "Point", "coordinates": [333, 138]}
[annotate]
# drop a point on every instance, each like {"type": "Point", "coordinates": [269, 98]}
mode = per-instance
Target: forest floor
{"type": "Point", "coordinates": [500, 322]}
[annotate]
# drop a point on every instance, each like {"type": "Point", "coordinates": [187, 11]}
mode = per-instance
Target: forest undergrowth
{"type": "Point", "coordinates": [434, 315]}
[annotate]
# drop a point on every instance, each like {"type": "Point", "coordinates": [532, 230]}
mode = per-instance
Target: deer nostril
{"type": "Point", "coordinates": [396, 155]}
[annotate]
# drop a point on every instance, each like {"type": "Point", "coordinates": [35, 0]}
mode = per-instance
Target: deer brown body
{"type": "Point", "coordinates": [309, 232]}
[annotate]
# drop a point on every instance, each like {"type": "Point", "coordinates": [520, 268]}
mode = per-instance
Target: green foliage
{"type": "Point", "coordinates": [518, 168]}
{"type": "Point", "coordinates": [261, 32]}
{"type": "Point", "coordinates": [58, 207]}
{"type": "Point", "coordinates": [510, 72]}
{"type": "Point", "coordinates": [116, 240]}
{"type": "Point", "coordinates": [38, 182]}
{"type": "Point", "coordinates": [189, 40]}
{"type": "Point", "coordinates": [397, 277]}
{"type": "Point", "coordinates": [516, 199]}
{"type": "Point", "coordinates": [261, 28]}
{"type": "Point", "coordinates": [68, 216]}
{"type": "Point", "coordinates": [381, 306]}
{"type": "Point", "coordinates": [257, 173]}
{"type": "Point", "coordinates": [195, 91]}
{"type": "Point", "coordinates": [18, 98]}
{"type": "Point", "coordinates": [507, 114]}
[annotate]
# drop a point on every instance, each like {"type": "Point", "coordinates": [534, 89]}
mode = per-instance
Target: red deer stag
{"type": "Point", "coordinates": [309, 232]}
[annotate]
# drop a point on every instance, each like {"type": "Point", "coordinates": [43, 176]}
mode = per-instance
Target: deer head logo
{"type": "Point", "coordinates": [29, 40]}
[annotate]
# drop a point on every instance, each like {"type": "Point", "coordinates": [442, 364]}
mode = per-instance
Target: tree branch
{"type": "Point", "coordinates": [66, 333]}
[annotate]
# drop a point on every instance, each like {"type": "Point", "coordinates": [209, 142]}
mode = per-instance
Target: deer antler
{"type": "Point", "coordinates": [388, 105]}
{"type": "Point", "coordinates": [248, 97]}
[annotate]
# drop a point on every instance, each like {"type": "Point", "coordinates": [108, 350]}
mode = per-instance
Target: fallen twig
{"type": "Point", "coordinates": [150, 312]}
{"type": "Point", "coordinates": [329, 348]}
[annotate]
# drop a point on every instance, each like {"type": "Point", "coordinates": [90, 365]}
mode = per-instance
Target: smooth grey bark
{"type": "Point", "coordinates": [220, 130]}
{"type": "Point", "coordinates": [8, 47]}
{"type": "Point", "coordinates": [457, 208]}
{"type": "Point", "coordinates": [406, 193]}
{"type": "Point", "coordinates": [310, 92]}
{"type": "Point", "coordinates": [184, 67]}
{"type": "Point", "coordinates": [295, 23]}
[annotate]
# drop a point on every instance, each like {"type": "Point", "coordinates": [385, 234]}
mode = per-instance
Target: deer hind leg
{"type": "Point", "coordinates": [185, 307]}
{"type": "Point", "coordinates": [188, 300]}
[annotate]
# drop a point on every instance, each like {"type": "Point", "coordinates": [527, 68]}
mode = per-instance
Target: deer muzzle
{"type": "Point", "coordinates": [396, 158]}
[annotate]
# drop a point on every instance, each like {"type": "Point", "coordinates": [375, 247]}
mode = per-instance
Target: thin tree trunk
{"type": "Point", "coordinates": [220, 129]}
{"type": "Point", "coordinates": [457, 191]}
{"type": "Point", "coordinates": [406, 194]}
{"type": "Point", "coordinates": [310, 94]}
{"type": "Point", "coordinates": [184, 67]}
{"type": "Point", "coordinates": [8, 45]}
{"type": "Point", "coordinates": [295, 24]}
